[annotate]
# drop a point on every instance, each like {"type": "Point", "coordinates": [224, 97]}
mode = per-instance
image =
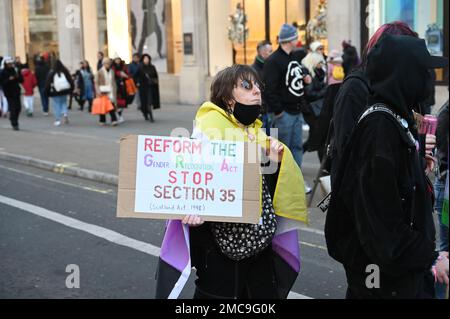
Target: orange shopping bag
{"type": "Point", "coordinates": [131, 87]}
{"type": "Point", "coordinates": [102, 105]}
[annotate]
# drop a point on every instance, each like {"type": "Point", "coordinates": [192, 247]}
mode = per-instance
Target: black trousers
{"type": "Point", "coordinates": [146, 102]}
{"type": "Point", "coordinates": [15, 106]}
{"type": "Point", "coordinates": [222, 278]}
{"type": "Point", "coordinates": [112, 114]}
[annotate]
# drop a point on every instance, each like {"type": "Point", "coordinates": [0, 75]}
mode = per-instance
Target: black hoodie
{"type": "Point", "coordinates": [381, 208]}
{"type": "Point", "coordinates": [284, 86]}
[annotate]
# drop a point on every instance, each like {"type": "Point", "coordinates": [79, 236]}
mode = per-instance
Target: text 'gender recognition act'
{"type": "Point", "coordinates": [184, 176]}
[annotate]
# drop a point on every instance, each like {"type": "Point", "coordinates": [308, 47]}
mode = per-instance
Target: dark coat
{"type": "Point", "coordinates": [315, 93]}
{"type": "Point", "coordinates": [148, 79]}
{"type": "Point", "coordinates": [258, 66]}
{"type": "Point", "coordinates": [11, 88]}
{"type": "Point", "coordinates": [381, 189]}
{"type": "Point", "coordinates": [381, 211]}
{"type": "Point", "coordinates": [319, 135]}
{"type": "Point", "coordinates": [42, 70]}
{"type": "Point", "coordinates": [49, 84]}
{"type": "Point", "coordinates": [351, 101]}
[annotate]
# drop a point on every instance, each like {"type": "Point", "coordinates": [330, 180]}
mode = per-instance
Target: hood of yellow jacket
{"type": "Point", "coordinates": [289, 199]}
{"type": "Point", "coordinates": [213, 121]}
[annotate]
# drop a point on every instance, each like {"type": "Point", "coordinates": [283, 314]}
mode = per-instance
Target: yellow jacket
{"type": "Point", "coordinates": [289, 199]}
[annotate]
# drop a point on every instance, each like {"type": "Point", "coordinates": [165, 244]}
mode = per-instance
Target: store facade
{"type": "Point", "coordinates": [191, 40]}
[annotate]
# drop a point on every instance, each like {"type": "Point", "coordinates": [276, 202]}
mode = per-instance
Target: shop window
{"type": "Point", "coordinates": [426, 17]}
{"type": "Point", "coordinates": [42, 25]}
{"type": "Point", "coordinates": [102, 27]}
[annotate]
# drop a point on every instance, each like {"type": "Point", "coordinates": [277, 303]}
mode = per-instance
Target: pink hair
{"type": "Point", "coordinates": [394, 28]}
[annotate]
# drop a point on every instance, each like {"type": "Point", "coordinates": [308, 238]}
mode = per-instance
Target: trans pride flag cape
{"type": "Point", "coordinates": [289, 203]}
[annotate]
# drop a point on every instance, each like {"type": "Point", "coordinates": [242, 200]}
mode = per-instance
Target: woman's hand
{"type": "Point", "coordinates": [193, 221]}
{"type": "Point", "coordinates": [275, 150]}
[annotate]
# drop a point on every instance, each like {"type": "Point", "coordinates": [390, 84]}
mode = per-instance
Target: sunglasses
{"type": "Point", "coordinates": [247, 85]}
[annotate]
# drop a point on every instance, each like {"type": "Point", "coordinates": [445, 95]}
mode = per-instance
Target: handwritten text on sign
{"type": "Point", "coordinates": [184, 176]}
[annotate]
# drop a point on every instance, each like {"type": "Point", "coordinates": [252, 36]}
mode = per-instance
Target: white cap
{"type": "Point", "coordinates": [315, 45]}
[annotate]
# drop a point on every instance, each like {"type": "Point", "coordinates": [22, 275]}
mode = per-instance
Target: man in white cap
{"type": "Point", "coordinates": [285, 79]}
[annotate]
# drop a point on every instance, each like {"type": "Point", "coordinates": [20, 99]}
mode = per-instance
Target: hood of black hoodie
{"type": "Point", "coordinates": [396, 76]}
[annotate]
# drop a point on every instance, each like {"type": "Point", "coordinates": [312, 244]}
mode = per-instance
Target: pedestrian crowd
{"type": "Point", "coordinates": [109, 89]}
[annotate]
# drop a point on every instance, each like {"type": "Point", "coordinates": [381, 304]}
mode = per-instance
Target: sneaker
{"type": "Point", "coordinates": [121, 120]}
{"type": "Point", "coordinates": [115, 123]}
{"type": "Point", "coordinates": [57, 123]}
{"type": "Point", "coordinates": [16, 128]}
{"type": "Point", "coordinates": [101, 123]}
{"type": "Point", "coordinates": [66, 119]}
{"type": "Point", "coordinates": [45, 113]}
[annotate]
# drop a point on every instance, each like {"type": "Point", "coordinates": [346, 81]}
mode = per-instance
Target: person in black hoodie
{"type": "Point", "coordinates": [10, 82]}
{"type": "Point", "coordinates": [380, 218]}
{"type": "Point", "coordinates": [284, 80]}
{"type": "Point", "coordinates": [352, 97]}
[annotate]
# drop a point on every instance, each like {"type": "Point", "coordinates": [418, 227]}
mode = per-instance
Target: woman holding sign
{"type": "Point", "coordinates": [236, 261]}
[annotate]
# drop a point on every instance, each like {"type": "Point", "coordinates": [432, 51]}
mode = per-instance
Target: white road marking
{"type": "Point", "coordinates": [97, 231]}
{"type": "Point", "coordinates": [92, 189]}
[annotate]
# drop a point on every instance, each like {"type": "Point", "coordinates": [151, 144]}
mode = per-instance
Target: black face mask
{"type": "Point", "coordinates": [246, 114]}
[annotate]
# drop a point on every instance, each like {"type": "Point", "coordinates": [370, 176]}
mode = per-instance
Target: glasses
{"type": "Point", "coordinates": [247, 85]}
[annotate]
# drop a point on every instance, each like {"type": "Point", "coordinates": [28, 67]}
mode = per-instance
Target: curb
{"type": "Point", "coordinates": [86, 174]}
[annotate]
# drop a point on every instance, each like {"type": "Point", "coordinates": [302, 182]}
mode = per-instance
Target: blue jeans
{"type": "Point", "coordinates": [44, 99]}
{"type": "Point", "coordinates": [439, 189]}
{"type": "Point", "coordinates": [59, 106]}
{"type": "Point", "coordinates": [290, 133]}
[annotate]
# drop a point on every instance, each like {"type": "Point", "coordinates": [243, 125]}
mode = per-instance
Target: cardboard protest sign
{"type": "Point", "coordinates": [169, 178]}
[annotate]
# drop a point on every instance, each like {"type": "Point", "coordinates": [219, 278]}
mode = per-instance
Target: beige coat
{"type": "Point", "coordinates": [103, 78]}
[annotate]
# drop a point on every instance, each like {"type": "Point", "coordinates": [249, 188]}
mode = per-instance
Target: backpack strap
{"type": "Point", "coordinates": [402, 123]}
